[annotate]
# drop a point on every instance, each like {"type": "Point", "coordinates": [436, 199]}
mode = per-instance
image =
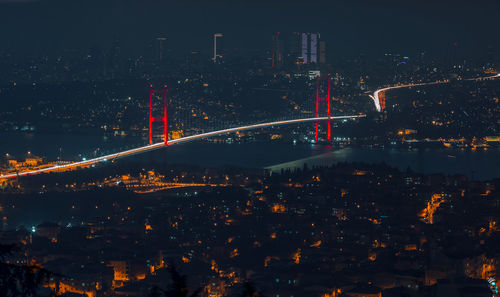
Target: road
{"type": "Point", "coordinates": [376, 99]}
{"type": "Point", "coordinates": [147, 148]}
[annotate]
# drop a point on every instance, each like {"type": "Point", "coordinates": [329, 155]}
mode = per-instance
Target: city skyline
{"type": "Point", "coordinates": [154, 148]}
{"type": "Point", "coordinates": [354, 27]}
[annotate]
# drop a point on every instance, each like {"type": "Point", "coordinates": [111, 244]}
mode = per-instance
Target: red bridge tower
{"type": "Point", "coordinates": [157, 93]}
{"type": "Point", "coordinates": [327, 99]}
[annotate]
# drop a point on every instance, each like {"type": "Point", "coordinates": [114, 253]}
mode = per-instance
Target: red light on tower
{"type": "Point", "coordinates": [153, 119]}
{"type": "Point", "coordinates": [276, 56]}
{"type": "Point", "coordinates": [327, 99]}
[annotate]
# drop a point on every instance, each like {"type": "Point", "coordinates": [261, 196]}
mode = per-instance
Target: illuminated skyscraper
{"type": "Point", "coordinates": [309, 47]}
{"type": "Point", "coordinates": [305, 48]}
{"type": "Point", "coordinates": [216, 55]}
{"type": "Point", "coordinates": [297, 48]}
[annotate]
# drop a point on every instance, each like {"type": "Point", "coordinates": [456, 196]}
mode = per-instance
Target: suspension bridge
{"type": "Point", "coordinates": [377, 97]}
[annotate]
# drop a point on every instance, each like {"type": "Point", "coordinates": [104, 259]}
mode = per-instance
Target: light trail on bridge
{"type": "Point", "coordinates": [376, 99]}
{"type": "Point", "coordinates": [151, 147]}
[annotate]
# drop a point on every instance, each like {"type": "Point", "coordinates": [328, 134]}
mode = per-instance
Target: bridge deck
{"type": "Point", "coordinates": [90, 162]}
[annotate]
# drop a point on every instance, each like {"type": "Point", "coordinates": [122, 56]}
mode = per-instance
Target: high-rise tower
{"type": "Point", "coordinates": [277, 56]}
{"type": "Point", "coordinates": [216, 55]}
{"type": "Point", "coordinates": [309, 47]}
{"type": "Point", "coordinates": [160, 49]}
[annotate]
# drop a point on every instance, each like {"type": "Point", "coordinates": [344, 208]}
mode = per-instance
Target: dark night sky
{"type": "Point", "coordinates": [349, 26]}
